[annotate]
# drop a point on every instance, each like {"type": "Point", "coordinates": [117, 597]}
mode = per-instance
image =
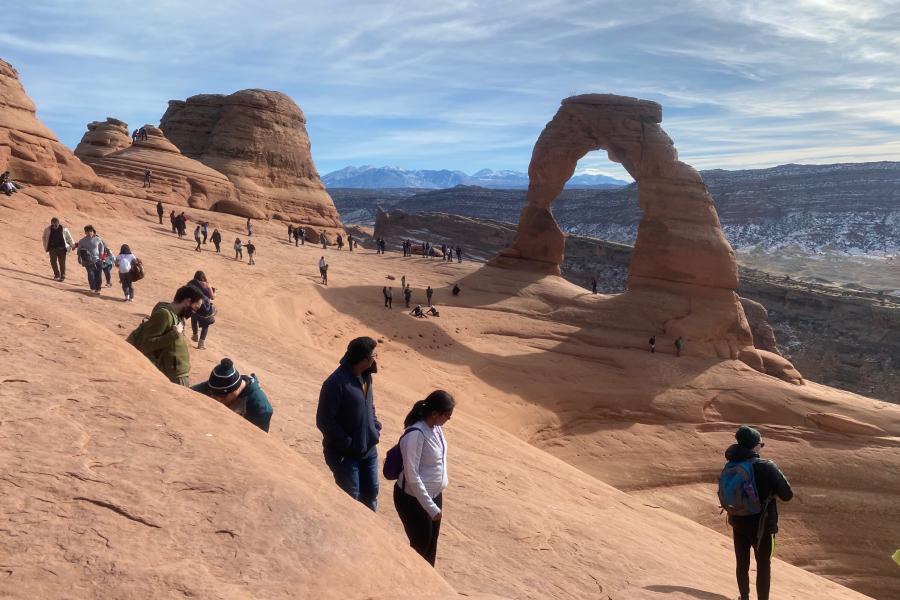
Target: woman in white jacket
{"type": "Point", "coordinates": [418, 492]}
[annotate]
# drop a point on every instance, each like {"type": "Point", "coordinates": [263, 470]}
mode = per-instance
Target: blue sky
{"type": "Point", "coordinates": [466, 85]}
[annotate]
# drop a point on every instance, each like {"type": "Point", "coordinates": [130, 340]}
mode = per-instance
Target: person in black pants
{"type": "Point", "coordinates": [159, 211]}
{"type": "Point", "coordinates": [418, 494]}
{"type": "Point", "coordinates": [757, 532]}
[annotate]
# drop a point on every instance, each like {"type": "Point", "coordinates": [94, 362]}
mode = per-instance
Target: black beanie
{"type": "Point", "coordinates": [747, 437]}
{"type": "Point", "coordinates": [359, 349]}
{"type": "Point", "coordinates": [224, 378]}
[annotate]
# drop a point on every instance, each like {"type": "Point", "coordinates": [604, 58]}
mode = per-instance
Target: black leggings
{"type": "Point", "coordinates": [743, 543]}
{"type": "Point", "coordinates": [196, 324]}
{"type": "Point", "coordinates": [420, 529]}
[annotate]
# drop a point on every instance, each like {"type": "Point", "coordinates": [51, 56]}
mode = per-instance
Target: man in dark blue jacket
{"type": "Point", "coordinates": [240, 393]}
{"type": "Point", "coordinates": [350, 429]}
{"type": "Point", "coordinates": [757, 532]}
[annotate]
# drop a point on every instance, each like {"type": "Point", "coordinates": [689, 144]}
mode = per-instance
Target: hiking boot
{"type": "Point", "coordinates": [194, 338]}
{"type": "Point", "coordinates": [201, 345]}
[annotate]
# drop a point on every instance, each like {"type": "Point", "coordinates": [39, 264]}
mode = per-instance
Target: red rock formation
{"type": "Point", "coordinates": [683, 275]}
{"type": "Point", "coordinates": [29, 150]}
{"type": "Point", "coordinates": [103, 138]}
{"type": "Point", "coordinates": [176, 179]}
{"type": "Point", "coordinates": [258, 139]}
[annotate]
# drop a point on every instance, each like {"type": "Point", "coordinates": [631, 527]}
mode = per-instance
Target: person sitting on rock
{"type": "Point", "coordinates": [433, 311]}
{"type": "Point", "coordinates": [340, 241]}
{"type": "Point", "coordinates": [7, 185]}
{"type": "Point", "coordinates": [143, 133]}
{"type": "Point", "coordinates": [418, 312]}
{"type": "Point", "coordinates": [240, 393]}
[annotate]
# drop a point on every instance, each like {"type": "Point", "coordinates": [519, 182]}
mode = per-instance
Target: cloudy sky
{"type": "Point", "coordinates": [467, 84]}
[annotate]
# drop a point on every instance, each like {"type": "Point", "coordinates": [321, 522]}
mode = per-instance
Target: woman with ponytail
{"type": "Point", "coordinates": [419, 489]}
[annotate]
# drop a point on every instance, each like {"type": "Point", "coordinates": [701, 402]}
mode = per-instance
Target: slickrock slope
{"type": "Point", "coordinates": [237, 514]}
{"type": "Point", "coordinates": [258, 139]}
{"type": "Point", "coordinates": [176, 179]}
{"type": "Point", "coordinates": [103, 138]}
{"type": "Point", "coordinates": [31, 152]}
{"type": "Point", "coordinates": [683, 275]}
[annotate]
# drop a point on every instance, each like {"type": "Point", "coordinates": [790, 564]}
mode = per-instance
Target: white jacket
{"type": "Point", "coordinates": [67, 238]}
{"type": "Point", "coordinates": [424, 465]}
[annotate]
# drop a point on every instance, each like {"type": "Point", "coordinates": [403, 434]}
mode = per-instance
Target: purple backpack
{"type": "Point", "coordinates": [393, 460]}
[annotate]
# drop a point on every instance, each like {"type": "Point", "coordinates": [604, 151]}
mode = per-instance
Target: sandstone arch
{"type": "Point", "coordinates": [683, 274]}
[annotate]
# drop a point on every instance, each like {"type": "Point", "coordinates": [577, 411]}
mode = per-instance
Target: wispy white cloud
{"type": "Point", "coordinates": [468, 84]}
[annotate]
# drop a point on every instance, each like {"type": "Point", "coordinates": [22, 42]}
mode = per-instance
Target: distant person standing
{"type": "Point", "coordinates": [403, 282]}
{"type": "Point", "coordinates": [181, 224]}
{"type": "Point", "coordinates": [126, 260]}
{"type": "Point", "coordinates": [388, 297]}
{"type": "Point", "coordinates": [238, 249]}
{"type": "Point", "coordinates": [173, 220]}
{"type": "Point", "coordinates": [459, 254]}
{"type": "Point", "coordinates": [444, 252]}
{"type": "Point", "coordinates": [204, 317]}
{"type": "Point", "coordinates": [240, 393]}
{"type": "Point", "coordinates": [197, 238]}
{"type": "Point", "coordinates": [204, 229]}
{"type": "Point", "coordinates": [752, 510]}
{"type": "Point", "coordinates": [323, 270]}
{"type": "Point", "coordinates": [350, 241]}
{"type": "Point", "coordinates": [290, 232]}
{"type": "Point", "coordinates": [324, 240]}
{"type": "Point", "coordinates": [594, 285]}
{"type": "Point", "coordinates": [251, 250]}
{"type": "Point", "coordinates": [450, 254]}
{"type": "Point", "coordinates": [147, 174]}
{"type": "Point", "coordinates": [143, 133]}
{"type": "Point", "coordinates": [161, 337]}
{"type": "Point", "coordinates": [407, 294]}
{"type": "Point", "coordinates": [160, 211]}
{"type": "Point", "coordinates": [90, 251]}
{"type": "Point", "coordinates": [340, 241]}
{"type": "Point", "coordinates": [652, 343]}
{"type": "Point", "coordinates": [249, 227]}
{"type": "Point", "coordinates": [679, 346]}
{"type": "Point", "coordinates": [107, 262]}
{"type": "Point", "coordinates": [216, 239]}
{"type": "Point", "coordinates": [350, 428]}
{"type": "Point", "coordinates": [57, 243]}
{"type": "Point", "coordinates": [428, 294]}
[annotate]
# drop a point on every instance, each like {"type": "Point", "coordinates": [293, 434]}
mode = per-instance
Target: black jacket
{"type": "Point", "coordinates": [346, 416]}
{"type": "Point", "coordinates": [770, 482]}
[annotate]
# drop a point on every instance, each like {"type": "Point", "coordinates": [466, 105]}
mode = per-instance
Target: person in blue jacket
{"type": "Point", "coordinates": [350, 429]}
{"type": "Point", "coordinates": [240, 393]}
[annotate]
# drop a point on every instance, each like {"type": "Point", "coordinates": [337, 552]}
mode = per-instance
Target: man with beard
{"type": "Point", "coordinates": [161, 337]}
{"type": "Point", "coordinates": [350, 429]}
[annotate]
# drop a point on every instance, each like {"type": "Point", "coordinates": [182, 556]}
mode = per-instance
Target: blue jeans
{"type": "Point", "coordinates": [94, 275]}
{"type": "Point", "coordinates": [356, 476]}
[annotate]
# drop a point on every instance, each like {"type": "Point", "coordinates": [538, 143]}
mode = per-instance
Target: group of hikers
{"type": "Point", "coordinates": [428, 250]}
{"type": "Point", "coordinates": [679, 345]}
{"type": "Point", "coordinates": [139, 134]}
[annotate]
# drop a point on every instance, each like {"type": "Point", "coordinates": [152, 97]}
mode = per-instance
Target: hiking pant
{"type": "Point", "coordinates": [204, 237]}
{"type": "Point", "coordinates": [107, 272]}
{"type": "Point", "coordinates": [238, 254]}
{"type": "Point", "coordinates": [174, 227]}
{"type": "Point", "coordinates": [420, 529]}
{"type": "Point", "coordinates": [251, 259]}
{"type": "Point", "coordinates": [198, 244]}
{"type": "Point", "coordinates": [127, 285]}
{"type": "Point", "coordinates": [95, 276]}
{"type": "Point", "coordinates": [356, 476]}
{"type": "Point", "coordinates": [196, 324]}
{"type": "Point", "coordinates": [183, 381]}
{"type": "Point", "coordinates": [217, 246]}
{"type": "Point", "coordinates": [160, 218]}
{"type": "Point", "coordinates": [743, 543]}
{"type": "Point", "coordinates": [58, 262]}
{"type": "Point", "coordinates": [388, 301]}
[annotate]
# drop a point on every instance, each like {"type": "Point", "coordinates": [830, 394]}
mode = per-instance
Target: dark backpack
{"type": "Point", "coordinates": [393, 460]}
{"type": "Point", "coordinates": [137, 270]}
{"type": "Point", "coordinates": [738, 494]}
{"type": "Point", "coordinates": [84, 257]}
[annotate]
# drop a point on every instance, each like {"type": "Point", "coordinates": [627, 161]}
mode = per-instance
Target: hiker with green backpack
{"type": "Point", "coordinates": [161, 337]}
{"type": "Point", "coordinates": [748, 487]}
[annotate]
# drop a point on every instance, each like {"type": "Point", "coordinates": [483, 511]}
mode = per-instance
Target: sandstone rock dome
{"type": "Point", "coordinates": [258, 139]}
{"type": "Point", "coordinates": [176, 179]}
{"type": "Point", "coordinates": [29, 150]}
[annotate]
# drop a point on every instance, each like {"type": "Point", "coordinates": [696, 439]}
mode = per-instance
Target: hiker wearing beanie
{"type": "Point", "coordinates": [350, 429]}
{"type": "Point", "coordinates": [240, 393]}
{"type": "Point", "coordinates": [418, 494]}
{"type": "Point", "coordinates": [748, 488]}
{"type": "Point", "coordinates": [161, 337]}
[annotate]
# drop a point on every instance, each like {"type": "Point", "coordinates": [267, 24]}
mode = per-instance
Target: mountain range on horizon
{"type": "Point", "coordinates": [369, 177]}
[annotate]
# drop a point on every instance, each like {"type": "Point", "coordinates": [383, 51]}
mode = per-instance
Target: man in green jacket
{"type": "Point", "coordinates": [161, 337]}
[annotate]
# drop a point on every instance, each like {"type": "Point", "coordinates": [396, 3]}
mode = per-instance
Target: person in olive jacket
{"type": "Point", "coordinates": [162, 336]}
{"type": "Point", "coordinates": [350, 429]}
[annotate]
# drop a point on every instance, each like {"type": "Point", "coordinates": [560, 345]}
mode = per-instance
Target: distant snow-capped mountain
{"type": "Point", "coordinates": [369, 177]}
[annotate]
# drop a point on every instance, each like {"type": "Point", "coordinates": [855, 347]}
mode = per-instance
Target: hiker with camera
{"type": "Point", "coordinates": [748, 488]}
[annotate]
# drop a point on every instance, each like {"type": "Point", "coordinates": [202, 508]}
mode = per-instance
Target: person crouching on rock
{"type": "Point", "coordinates": [350, 429]}
{"type": "Point", "coordinates": [161, 337]}
{"type": "Point", "coordinates": [240, 393]}
{"type": "Point", "coordinates": [418, 493]}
